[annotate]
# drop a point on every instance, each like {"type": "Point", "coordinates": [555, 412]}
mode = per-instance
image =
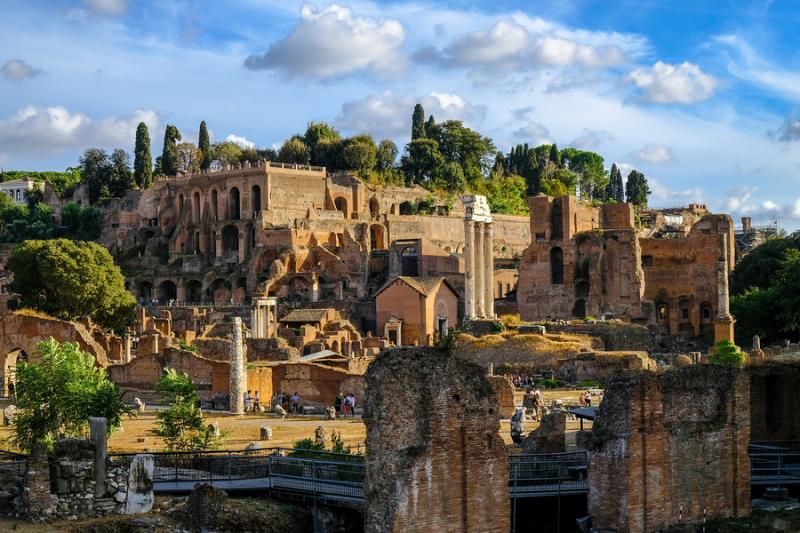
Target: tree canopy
{"type": "Point", "coordinates": [71, 280]}
{"type": "Point", "coordinates": [204, 145]}
{"type": "Point", "coordinates": [57, 395]}
{"type": "Point", "coordinates": [169, 155]}
{"type": "Point", "coordinates": [636, 189]}
{"type": "Point", "coordinates": [142, 158]}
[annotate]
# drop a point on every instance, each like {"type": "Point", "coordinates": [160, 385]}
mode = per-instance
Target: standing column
{"type": "Point", "coordinates": [469, 266]}
{"type": "Point", "coordinates": [254, 322]}
{"type": "Point", "coordinates": [723, 300]}
{"type": "Point", "coordinates": [480, 310]}
{"type": "Point", "coordinates": [488, 269]}
{"type": "Point", "coordinates": [238, 374]}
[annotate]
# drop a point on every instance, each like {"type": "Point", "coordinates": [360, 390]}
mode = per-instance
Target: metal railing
{"type": "Point", "coordinates": [548, 474]}
{"type": "Point", "coordinates": [775, 463]}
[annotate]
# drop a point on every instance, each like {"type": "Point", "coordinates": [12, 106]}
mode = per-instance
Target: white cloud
{"type": "Point", "coordinates": [789, 130]}
{"type": "Point", "coordinates": [664, 196]}
{"type": "Point", "coordinates": [534, 134]}
{"type": "Point", "coordinates": [740, 202]}
{"type": "Point", "coordinates": [332, 42]}
{"type": "Point", "coordinates": [388, 114]}
{"type": "Point", "coordinates": [750, 67]}
{"type": "Point", "coordinates": [47, 129]}
{"type": "Point", "coordinates": [504, 42]}
{"type": "Point", "coordinates": [664, 83]}
{"type": "Point", "coordinates": [108, 7]}
{"type": "Point", "coordinates": [241, 141]}
{"type": "Point", "coordinates": [591, 139]}
{"type": "Point", "coordinates": [17, 69]}
{"type": "Point", "coordinates": [557, 51]}
{"type": "Point", "coordinates": [654, 154]}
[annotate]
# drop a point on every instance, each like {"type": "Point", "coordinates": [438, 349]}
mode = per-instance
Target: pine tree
{"type": "Point", "coordinates": [169, 157]}
{"type": "Point", "coordinates": [418, 123]}
{"type": "Point", "coordinates": [636, 189]}
{"type": "Point", "coordinates": [204, 145]}
{"type": "Point", "coordinates": [142, 159]}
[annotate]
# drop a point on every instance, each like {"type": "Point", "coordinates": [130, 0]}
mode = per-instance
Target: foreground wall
{"type": "Point", "coordinates": [775, 401]}
{"type": "Point", "coordinates": [670, 444]}
{"type": "Point", "coordinates": [435, 459]}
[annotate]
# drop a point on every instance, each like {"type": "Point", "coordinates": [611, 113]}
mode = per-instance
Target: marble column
{"type": "Point", "coordinates": [480, 310]}
{"type": "Point", "coordinates": [469, 266]}
{"type": "Point", "coordinates": [488, 270]}
{"type": "Point", "coordinates": [723, 299]}
{"type": "Point", "coordinates": [238, 372]}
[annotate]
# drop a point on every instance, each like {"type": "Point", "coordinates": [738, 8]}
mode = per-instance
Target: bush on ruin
{"type": "Point", "coordinates": [727, 353]}
{"type": "Point", "coordinates": [57, 395]}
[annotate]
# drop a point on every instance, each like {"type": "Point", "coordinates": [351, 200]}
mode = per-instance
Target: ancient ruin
{"type": "Point", "coordinates": [478, 258]}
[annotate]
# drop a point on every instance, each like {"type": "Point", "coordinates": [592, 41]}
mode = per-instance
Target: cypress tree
{"type": "Point", "coordinates": [204, 145]}
{"type": "Point", "coordinates": [430, 127]}
{"type": "Point", "coordinates": [636, 189]}
{"type": "Point", "coordinates": [555, 157]}
{"type": "Point", "coordinates": [615, 190]}
{"type": "Point", "coordinates": [169, 157]}
{"type": "Point", "coordinates": [142, 159]}
{"type": "Point", "coordinates": [418, 123]}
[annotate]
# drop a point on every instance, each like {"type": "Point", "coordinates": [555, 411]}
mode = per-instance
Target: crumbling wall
{"type": "Point", "coordinates": [775, 402]}
{"type": "Point", "coordinates": [435, 459]}
{"type": "Point", "coordinates": [504, 392]}
{"type": "Point", "coordinates": [666, 444]}
{"type": "Point", "coordinates": [602, 365]}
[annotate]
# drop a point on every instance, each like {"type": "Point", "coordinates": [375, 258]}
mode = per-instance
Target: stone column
{"type": "Point", "coordinates": [469, 266]}
{"type": "Point", "coordinates": [218, 245]}
{"type": "Point", "coordinates": [126, 347]}
{"type": "Point", "coordinates": [254, 319]}
{"type": "Point", "coordinates": [98, 432]}
{"type": "Point", "coordinates": [242, 247]}
{"type": "Point", "coordinates": [238, 374]}
{"type": "Point", "coordinates": [723, 324]}
{"type": "Point", "coordinates": [488, 270]}
{"type": "Point", "coordinates": [480, 310]}
{"type": "Point", "coordinates": [274, 318]}
{"type": "Point", "coordinates": [315, 291]}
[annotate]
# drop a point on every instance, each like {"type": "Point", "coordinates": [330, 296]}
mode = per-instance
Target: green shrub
{"type": "Point", "coordinates": [727, 353]}
{"type": "Point", "coordinates": [550, 383]}
{"type": "Point", "coordinates": [183, 345]}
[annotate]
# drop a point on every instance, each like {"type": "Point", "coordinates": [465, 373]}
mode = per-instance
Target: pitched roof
{"type": "Point", "coordinates": [324, 354]}
{"type": "Point", "coordinates": [423, 285]}
{"type": "Point", "coordinates": [305, 315]}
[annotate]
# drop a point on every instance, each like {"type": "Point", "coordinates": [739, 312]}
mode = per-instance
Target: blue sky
{"type": "Point", "coordinates": [701, 96]}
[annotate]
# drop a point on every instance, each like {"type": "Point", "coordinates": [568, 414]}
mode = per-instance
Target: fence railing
{"type": "Point", "coordinates": [775, 463]}
{"type": "Point", "coordinates": [556, 473]}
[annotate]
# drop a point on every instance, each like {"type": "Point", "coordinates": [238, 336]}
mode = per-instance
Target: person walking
{"type": "Point", "coordinates": [295, 402]}
{"type": "Point", "coordinates": [337, 404]}
{"type": "Point", "coordinates": [246, 402]}
{"type": "Point", "coordinates": [352, 405]}
{"type": "Point", "coordinates": [256, 403]}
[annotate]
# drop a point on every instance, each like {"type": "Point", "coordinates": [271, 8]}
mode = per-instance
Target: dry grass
{"type": "Point", "coordinates": [544, 351]}
{"type": "Point", "coordinates": [27, 311]}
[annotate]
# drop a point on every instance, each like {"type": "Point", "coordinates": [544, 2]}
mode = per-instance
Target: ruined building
{"type": "Point", "coordinates": [664, 269]}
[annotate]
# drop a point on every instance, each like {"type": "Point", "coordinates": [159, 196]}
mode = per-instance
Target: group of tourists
{"type": "Point", "coordinates": [345, 405]}
{"type": "Point", "coordinates": [532, 402]}
{"type": "Point", "coordinates": [252, 404]}
{"type": "Point", "coordinates": [585, 399]}
{"type": "Point", "coordinates": [520, 381]}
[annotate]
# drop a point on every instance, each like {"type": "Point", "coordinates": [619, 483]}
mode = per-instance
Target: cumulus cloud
{"type": "Point", "coordinates": [534, 134]}
{"type": "Point", "coordinates": [35, 128]}
{"type": "Point", "coordinates": [789, 130]}
{"type": "Point", "coordinates": [591, 139]}
{"type": "Point", "coordinates": [244, 142]}
{"type": "Point", "coordinates": [17, 69]}
{"type": "Point", "coordinates": [664, 83]}
{"type": "Point", "coordinates": [739, 201]}
{"type": "Point", "coordinates": [654, 154]}
{"type": "Point", "coordinates": [389, 114]}
{"type": "Point", "coordinates": [108, 7]}
{"type": "Point", "coordinates": [333, 42]}
{"type": "Point", "coordinates": [661, 194]}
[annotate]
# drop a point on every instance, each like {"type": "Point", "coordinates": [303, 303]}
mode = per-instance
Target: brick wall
{"type": "Point", "coordinates": [435, 459]}
{"type": "Point", "coordinates": [670, 440]}
{"type": "Point", "coordinates": [774, 401]}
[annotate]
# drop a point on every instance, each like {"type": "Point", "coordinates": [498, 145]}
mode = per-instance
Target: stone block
{"type": "Point", "coordinates": [140, 485]}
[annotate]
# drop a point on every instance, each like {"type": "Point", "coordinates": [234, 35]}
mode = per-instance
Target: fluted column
{"type": "Point", "coordinates": [480, 310]}
{"type": "Point", "coordinates": [469, 265]}
{"type": "Point", "coordinates": [488, 270]}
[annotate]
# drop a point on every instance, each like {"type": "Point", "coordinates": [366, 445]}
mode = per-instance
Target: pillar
{"type": "Point", "coordinates": [254, 320]}
{"type": "Point", "coordinates": [469, 265]}
{"type": "Point", "coordinates": [480, 311]}
{"type": "Point", "coordinates": [315, 290]}
{"type": "Point", "coordinates": [98, 433]}
{"type": "Point", "coordinates": [238, 374]}
{"type": "Point", "coordinates": [217, 244]}
{"type": "Point", "coordinates": [126, 347]}
{"type": "Point", "coordinates": [242, 249]}
{"type": "Point", "coordinates": [723, 324]}
{"type": "Point", "coordinates": [488, 270]}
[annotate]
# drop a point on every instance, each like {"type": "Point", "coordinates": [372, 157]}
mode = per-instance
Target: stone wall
{"type": "Point", "coordinates": [504, 392]}
{"type": "Point", "coordinates": [72, 477]}
{"type": "Point", "coordinates": [435, 459]}
{"type": "Point", "coordinates": [602, 365]}
{"type": "Point", "coordinates": [616, 335]}
{"type": "Point", "coordinates": [316, 384]}
{"type": "Point", "coordinates": [666, 442]}
{"type": "Point", "coordinates": [774, 401]}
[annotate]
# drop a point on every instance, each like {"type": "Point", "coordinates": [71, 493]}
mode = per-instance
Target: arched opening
{"type": "Point", "coordinates": [255, 195]}
{"type": "Point", "coordinates": [197, 242]}
{"type": "Point", "coordinates": [662, 314]}
{"type": "Point", "coordinates": [684, 311]}
{"type": "Point", "coordinates": [580, 308]}
{"type": "Point", "coordinates": [341, 205]}
{"type": "Point", "coordinates": [335, 346]}
{"type": "Point", "coordinates": [406, 208]}
{"type": "Point", "coordinates": [556, 220]}
{"type": "Point", "coordinates": [374, 207]}
{"type": "Point", "coordinates": [214, 204]}
{"type": "Point", "coordinates": [410, 259]}
{"type": "Point", "coordinates": [556, 266]}
{"type": "Point", "coordinates": [706, 313]}
{"type": "Point", "coordinates": [215, 290]}
{"type": "Point", "coordinates": [194, 291]}
{"type": "Point", "coordinates": [180, 204]}
{"type": "Point", "coordinates": [145, 291]}
{"type": "Point", "coordinates": [376, 237]}
{"type": "Point", "coordinates": [230, 242]}
{"type": "Point", "coordinates": [167, 290]}
{"type": "Point", "coordinates": [196, 215]}
{"type": "Point", "coordinates": [233, 204]}
{"type": "Point", "coordinates": [10, 366]}
{"type": "Point", "coordinates": [582, 289]}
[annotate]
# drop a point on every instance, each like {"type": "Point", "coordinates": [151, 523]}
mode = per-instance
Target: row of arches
{"type": "Point", "coordinates": [193, 290]}
{"type": "Point", "coordinates": [232, 208]}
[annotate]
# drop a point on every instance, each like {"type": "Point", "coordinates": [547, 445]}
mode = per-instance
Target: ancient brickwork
{"type": "Point", "coordinates": [504, 392]}
{"type": "Point", "coordinates": [670, 446]}
{"type": "Point", "coordinates": [602, 365]}
{"type": "Point", "coordinates": [316, 384]}
{"type": "Point", "coordinates": [774, 401]}
{"type": "Point", "coordinates": [435, 459]}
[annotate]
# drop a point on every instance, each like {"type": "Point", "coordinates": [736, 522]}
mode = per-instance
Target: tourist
{"type": "Point", "coordinates": [517, 425]}
{"type": "Point", "coordinates": [582, 399]}
{"type": "Point", "coordinates": [247, 401]}
{"type": "Point", "coordinates": [295, 402]}
{"type": "Point", "coordinates": [588, 399]}
{"type": "Point", "coordinates": [337, 403]}
{"type": "Point", "coordinates": [536, 406]}
{"type": "Point", "coordinates": [351, 405]}
{"type": "Point", "coordinates": [256, 404]}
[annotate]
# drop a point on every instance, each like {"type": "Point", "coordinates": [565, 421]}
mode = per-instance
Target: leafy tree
{"type": "Point", "coordinates": [615, 191]}
{"type": "Point", "coordinates": [755, 313]}
{"type": "Point", "coordinates": [95, 168]}
{"type": "Point", "coordinates": [34, 196]}
{"type": "Point", "coordinates": [142, 158]}
{"type": "Point", "coordinates": [557, 181]}
{"type": "Point", "coordinates": [62, 183]}
{"type": "Point", "coordinates": [727, 353]}
{"type": "Point", "coordinates": [169, 155]}
{"type": "Point", "coordinates": [506, 193]}
{"type": "Point", "coordinates": [81, 223]}
{"type": "Point", "coordinates": [386, 155]}
{"type": "Point", "coordinates": [204, 145]}
{"type": "Point", "coordinates": [421, 161]}
{"type": "Point", "coordinates": [190, 158]}
{"type": "Point", "coordinates": [758, 268]}
{"type": "Point", "coordinates": [294, 151]}
{"type": "Point", "coordinates": [468, 148]}
{"type": "Point", "coordinates": [226, 153]}
{"type": "Point", "coordinates": [636, 189]}
{"type": "Point", "coordinates": [58, 395]}
{"type": "Point", "coordinates": [71, 280]}
{"type": "Point", "coordinates": [430, 126]}
{"type": "Point", "coordinates": [360, 154]}
{"type": "Point", "coordinates": [323, 142]}
{"type": "Point", "coordinates": [181, 425]}
{"type": "Point", "coordinates": [120, 177]}
{"type": "Point", "coordinates": [555, 155]}
{"type": "Point", "coordinates": [589, 166]}
{"type": "Point", "coordinates": [418, 123]}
